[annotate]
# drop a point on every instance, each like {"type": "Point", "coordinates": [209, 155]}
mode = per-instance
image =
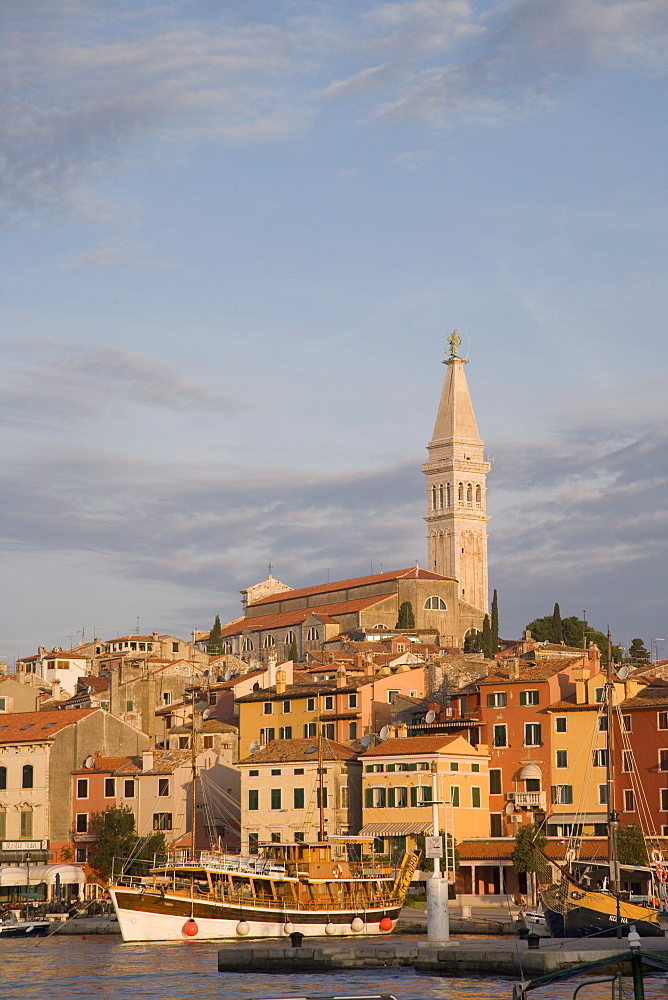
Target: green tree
{"type": "Point", "coordinates": [115, 837]}
{"type": "Point", "coordinates": [473, 641]}
{"type": "Point", "coordinates": [575, 632]}
{"type": "Point", "coordinates": [216, 638]}
{"type": "Point", "coordinates": [637, 652]}
{"type": "Point", "coordinates": [525, 858]}
{"type": "Point", "coordinates": [488, 649]}
{"type": "Point", "coordinates": [495, 622]}
{"type": "Point", "coordinates": [631, 846]}
{"type": "Point", "coordinates": [293, 652]}
{"type": "Point", "coordinates": [406, 616]}
{"type": "Point", "coordinates": [557, 629]}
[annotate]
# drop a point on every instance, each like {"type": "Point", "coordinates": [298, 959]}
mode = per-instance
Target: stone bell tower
{"type": "Point", "coordinates": [456, 488]}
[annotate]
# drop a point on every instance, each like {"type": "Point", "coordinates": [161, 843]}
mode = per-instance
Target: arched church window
{"type": "Point", "coordinates": [312, 635]}
{"type": "Point", "coordinates": [227, 647]}
{"type": "Point", "coordinates": [448, 498]}
{"type": "Point", "coordinates": [380, 627]}
{"type": "Point", "coordinates": [460, 493]}
{"type": "Point", "coordinates": [478, 496]}
{"type": "Point", "coordinates": [269, 641]}
{"type": "Point", "coordinates": [435, 604]}
{"type": "Point", "coordinates": [440, 496]}
{"type": "Point", "coordinates": [248, 644]}
{"type": "Point", "coordinates": [289, 638]}
{"type": "Point", "coordinates": [469, 495]}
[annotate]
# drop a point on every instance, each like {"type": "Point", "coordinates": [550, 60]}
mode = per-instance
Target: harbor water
{"type": "Point", "coordinates": [103, 968]}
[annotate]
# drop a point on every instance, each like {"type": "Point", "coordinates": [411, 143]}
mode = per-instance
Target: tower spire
{"type": "Point", "coordinates": [456, 486]}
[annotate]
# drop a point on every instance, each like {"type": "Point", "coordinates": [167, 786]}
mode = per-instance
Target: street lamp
{"type": "Point", "coordinates": [28, 860]}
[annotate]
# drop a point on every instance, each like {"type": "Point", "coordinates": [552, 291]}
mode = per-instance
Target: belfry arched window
{"type": "Point", "coordinates": [469, 495]}
{"type": "Point", "coordinates": [460, 493]}
{"type": "Point", "coordinates": [478, 496]}
{"type": "Point", "coordinates": [434, 496]}
{"type": "Point", "coordinates": [440, 496]}
{"type": "Point", "coordinates": [435, 604]}
{"type": "Point", "coordinates": [448, 497]}
{"type": "Point", "coordinates": [3, 777]}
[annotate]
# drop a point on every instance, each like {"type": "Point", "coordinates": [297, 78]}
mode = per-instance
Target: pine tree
{"type": "Point", "coordinates": [293, 653]}
{"type": "Point", "coordinates": [406, 616]}
{"type": "Point", "coordinates": [557, 629]}
{"type": "Point", "coordinates": [637, 652]}
{"type": "Point", "coordinates": [495, 622]}
{"type": "Point", "coordinates": [216, 638]}
{"type": "Point", "coordinates": [487, 640]}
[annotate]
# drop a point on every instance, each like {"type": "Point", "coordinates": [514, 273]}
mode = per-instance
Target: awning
{"type": "Point", "coordinates": [530, 771]}
{"type": "Point", "coordinates": [20, 875]}
{"type": "Point", "coordinates": [394, 829]}
{"type": "Point", "coordinates": [584, 818]}
{"type": "Point", "coordinates": [12, 875]}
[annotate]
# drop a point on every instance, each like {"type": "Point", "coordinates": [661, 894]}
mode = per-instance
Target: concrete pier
{"type": "Point", "coordinates": [491, 956]}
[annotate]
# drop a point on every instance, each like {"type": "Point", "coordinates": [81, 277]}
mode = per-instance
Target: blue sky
{"type": "Point", "coordinates": [236, 237]}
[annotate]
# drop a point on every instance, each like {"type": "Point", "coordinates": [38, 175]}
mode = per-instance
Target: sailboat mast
{"type": "Point", "coordinates": [613, 821]}
{"type": "Point", "coordinates": [321, 780]}
{"type": "Point", "coordinates": [193, 764]}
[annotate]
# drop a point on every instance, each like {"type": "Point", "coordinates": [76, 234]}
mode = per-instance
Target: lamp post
{"type": "Point", "coordinates": [28, 860]}
{"type": "Point", "coordinates": [613, 826]}
{"type": "Point", "coordinates": [438, 915]}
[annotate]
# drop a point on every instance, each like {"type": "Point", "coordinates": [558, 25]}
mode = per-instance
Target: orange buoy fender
{"type": "Point", "coordinates": [190, 928]}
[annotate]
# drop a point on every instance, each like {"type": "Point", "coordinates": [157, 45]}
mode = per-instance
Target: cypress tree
{"type": "Point", "coordinates": [406, 616]}
{"type": "Point", "coordinates": [293, 652]}
{"type": "Point", "coordinates": [216, 638]}
{"type": "Point", "coordinates": [487, 642]}
{"type": "Point", "coordinates": [495, 622]}
{"type": "Point", "coordinates": [557, 628]}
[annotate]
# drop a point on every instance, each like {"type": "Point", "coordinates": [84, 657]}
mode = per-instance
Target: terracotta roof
{"type": "Point", "coordinates": [104, 764]}
{"type": "Point", "coordinates": [310, 689]}
{"type": "Point", "coordinates": [299, 615]}
{"type": "Point", "coordinates": [359, 581]}
{"type": "Point", "coordinates": [400, 746]}
{"type": "Point", "coordinates": [542, 670]}
{"type": "Point", "coordinates": [36, 727]}
{"type": "Point", "coordinates": [233, 681]}
{"type": "Point", "coordinates": [96, 683]}
{"type": "Point", "coordinates": [503, 847]}
{"type": "Point", "coordinates": [208, 726]}
{"type": "Point", "coordinates": [285, 751]}
{"type": "Point", "coordinates": [568, 705]}
{"type": "Point", "coordinates": [164, 762]}
{"type": "Point", "coordinates": [655, 695]}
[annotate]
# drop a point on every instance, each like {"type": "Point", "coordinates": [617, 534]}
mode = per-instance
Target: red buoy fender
{"type": "Point", "coordinates": [385, 924]}
{"type": "Point", "coordinates": [190, 928]}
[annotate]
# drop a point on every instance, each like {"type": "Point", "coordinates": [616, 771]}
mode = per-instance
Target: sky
{"type": "Point", "coordinates": [236, 236]}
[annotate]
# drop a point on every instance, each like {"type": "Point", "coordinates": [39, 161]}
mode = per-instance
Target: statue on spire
{"type": "Point", "coordinates": [454, 340]}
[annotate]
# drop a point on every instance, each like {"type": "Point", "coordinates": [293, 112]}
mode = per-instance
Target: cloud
{"type": "Point", "coordinates": [124, 254]}
{"type": "Point", "coordinates": [47, 383]}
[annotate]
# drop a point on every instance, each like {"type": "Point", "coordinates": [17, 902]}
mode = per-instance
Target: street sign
{"type": "Point", "coordinates": [433, 847]}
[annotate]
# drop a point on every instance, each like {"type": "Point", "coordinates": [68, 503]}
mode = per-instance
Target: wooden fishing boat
{"type": "Point", "coordinates": [326, 888]}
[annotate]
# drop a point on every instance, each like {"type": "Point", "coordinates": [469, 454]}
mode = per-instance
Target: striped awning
{"type": "Point", "coordinates": [394, 829]}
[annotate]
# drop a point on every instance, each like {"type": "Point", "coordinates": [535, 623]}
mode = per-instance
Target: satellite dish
{"type": "Point", "coordinates": [430, 716]}
{"type": "Point", "coordinates": [227, 675]}
{"type": "Point", "coordinates": [206, 673]}
{"type": "Point", "coordinates": [255, 746]}
{"type": "Point", "coordinates": [366, 739]}
{"type": "Point", "coordinates": [89, 761]}
{"type": "Point", "coordinates": [623, 672]}
{"type": "Point", "coordinates": [384, 733]}
{"type": "Point", "coordinates": [205, 714]}
{"type": "Point", "coordinates": [510, 808]}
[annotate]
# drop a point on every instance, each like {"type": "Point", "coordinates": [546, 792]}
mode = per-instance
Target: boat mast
{"type": "Point", "coordinates": [613, 819]}
{"type": "Point", "coordinates": [321, 779]}
{"type": "Point", "coordinates": [193, 764]}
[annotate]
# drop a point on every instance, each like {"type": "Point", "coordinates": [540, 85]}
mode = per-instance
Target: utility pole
{"type": "Point", "coordinates": [438, 914]}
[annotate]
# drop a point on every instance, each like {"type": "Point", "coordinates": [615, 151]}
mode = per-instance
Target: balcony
{"type": "Point", "coordinates": [530, 800]}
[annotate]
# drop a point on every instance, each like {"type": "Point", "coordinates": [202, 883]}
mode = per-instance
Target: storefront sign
{"type": "Point", "coordinates": [23, 845]}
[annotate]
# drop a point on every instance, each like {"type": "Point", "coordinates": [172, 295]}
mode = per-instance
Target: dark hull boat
{"type": "Point", "coordinates": [571, 910]}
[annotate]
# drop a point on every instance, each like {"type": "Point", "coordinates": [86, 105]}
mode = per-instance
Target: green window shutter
{"type": "Point", "coordinates": [413, 766]}
{"type": "Point", "coordinates": [523, 698]}
{"type": "Point", "coordinates": [390, 797]}
{"type": "Point", "coordinates": [368, 798]}
{"type": "Point", "coordinates": [391, 767]}
{"type": "Point", "coordinates": [368, 768]}
{"type": "Point", "coordinates": [253, 798]}
{"type": "Point", "coordinates": [298, 798]}
{"type": "Point", "coordinates": [454, 795]}
{"type": "Point", "coordinates": [426, 793]}
{"type": "Point", "coordinates": [413, 795]}
{"type": "Point", "coordinates": [475, 798]}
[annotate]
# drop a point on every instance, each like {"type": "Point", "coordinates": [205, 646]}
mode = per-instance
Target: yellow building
{"type": "Point", "coordinates": [397, 790]}
{"type": "Point", "coordinates": [578, 740]}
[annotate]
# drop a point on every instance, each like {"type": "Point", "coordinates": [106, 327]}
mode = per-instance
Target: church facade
{"type": "Point", "coordinates": [450, 595]}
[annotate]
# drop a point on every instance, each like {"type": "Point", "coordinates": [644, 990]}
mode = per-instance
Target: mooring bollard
{"type": "Point", "coordinates": [296, 939]}
{"type": "Point", "coordinates": [533, 940]}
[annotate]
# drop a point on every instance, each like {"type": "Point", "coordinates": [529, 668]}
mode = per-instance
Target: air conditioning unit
{"type": "Point", "coordinates": [510, 796]}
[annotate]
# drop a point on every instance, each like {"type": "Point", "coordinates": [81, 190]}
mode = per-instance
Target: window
{"type": "Point", "coordinates": [289, 638]}
{"type": "Point", "coordinates": [309, 730]}
{"type": "Point", "coordinates": [129, 706]}
{"type": "Point", "coordinates": [600, 757]}
{"type": "Point", "coordinates": [299, 837]}
{"type": "Point", "coordinates": [469, 494]}
{"type": "Point", "coordinates": [352, 701]}
{"type": "Point", "coordinates": [532, 784]}
{"type": "Point", "coordinates": [454, 766]}
{"type": "Point", "coordinates": [460, 493]}
{"type": "Point", "coordinates": [298, 798]}
{"type": "Point", "coordinates": [247, 645]}
{"type": "Point", "coordinates": [253, 774]}
{"type": "Point", "coordinates": [253, 799]}
{"type": "Point", "coordinates": [663, 760]}
{"type": "Point", "coordinates": [627, 760]}
{"type": "Point", "coordinates": [267, 735]}
{"type": "Point", "coordinates": [598, 695]}
{"type": "Point", "coordinates": [435, 604]}
{"type": "Point", "coordinates": [269, 641]}
{"type": "Point", "coordinates": [329, 703]}
{"type": "Point", "coordinates": [398, 797]}
{"type": "Point", "coordinates": [391, 694]}
{"type": "Point", "coordinates": [562, 758]}
{"type": "Point", "coordinates": [663, 799]}
{"type": "Point", "coordinates": [375, 798]}
{"type": "Point", "coordinates": [497, 699]}
{"type": "Point", "coordinates": [287, 707]}
{"type": "Point", "coordinates": [352, 730]}
{"type": "Point", "coordinates": [3, 777]}
{"type": "Point", "coordinates": [454, 795]}
{"type": "Point", "coordinates": [275, 770]}
{"type": "Point", "coordinates": [81, 823]}
{"type": "Point", "coordinates": [82, 788]}
{"type": "Point", "coordinates": [26, 823]}
{"type": "Point", "coordinates": [253, 840]}
{"type": "Point", "coordinates": [162, 821]}
{"type": "Point", "coordinates": [500, 736]}
{"type": "Point", "coordinates": [166, 697]}
{"type": "Point", "coordinates": [328, 730]}
{"type": "Point", "coordinates": [285, 733]}
{"type": "Point", "coordinates": [602, 723]}
{"type": "Point", "coordinates": [109, 788]}
{"type": "Point", "coordinates": [324, 798]}
{"type": "Point", "coordinates": [268, 708]}
{"type": "Point", "coordinates": [478, 496]}
{"type": "Point", "coordinates": [163, 787]}
{"type": "Point", "coordinates": [495, 781]}
{"type": "Point", "coordinates": [129, 788]}
{"type": "Point", "coordinates": [475, 767]}
{"type": "Point", "coordinates": [528, 697]}
{"type": "Point", "coordinates": [561, 724]}
{"type": "Point", "coordinates": [663, 720]}
{"type": "Point", "coordinates": [275, 798]}
{"type": "Point", "coordinates": [275, 838]}
{"type": "Point", "coordinates": [208, 742]}
{"type": "Point", "coordinates": [175, 647]}
{"type": "Point", "coordinates": [298, 770]}
{"type": "Point", "coordinates": [495, 825]}
{"type": "Point", "coordinates": [627, 723]}
{"type": "Point", "coordinates": [310, 704]}
{"type": "Point", "coordinates": [312, 635]}
{"type": "Point", "coordinates": [344, 797]}
{"type": "Point", "coordinates": [183, 742]}
{"type": "Point", "coordinates": [629, 800]}
{"type": "Point", "coordinates": [3, 824]}
{"type": "Point", "coordinates": [27, 776]}
{"type": "Point", "coordinates": [562, 795]}
{"type": "Point", "coordinates": [475, 797]}
{"type": "Point", "coordinates": [603, 794]}
{"type": "Point", "coordinates": [81, 855]}
{"type": "Point", "coordinates": [532, 734]}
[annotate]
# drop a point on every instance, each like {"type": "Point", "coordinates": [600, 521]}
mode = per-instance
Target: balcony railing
{"type": "Point", "coordinates": [530, 800]}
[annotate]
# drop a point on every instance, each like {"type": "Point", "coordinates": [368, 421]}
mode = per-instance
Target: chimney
{"type": "Point", "coordinates": [581, 674]}
{"type": "Point", "coordinates": [402, 731]}
{"type": "Point", "coordinates": [156, 635]}
{"type": "Point", "coordinates": [358, 661]}
{"type": "Point", "coordinates": [341, 677]}
{"type": "Point", "coordinates": [594, 654]}
{"type": "Point", "coordinates": [288, 669]}
{"type": "Point", "coordinates": [55, 688]}
{"type": "Point", "coordinates": [271, 668]}
{"type": "Point", "coordinates": [513, 668]}
{"type": "Point", "coordinates": [147, 760]}
{"type": "Point", "coordinates": [368, 665]}
{"type": "Point", "coordinates": [280, 681]}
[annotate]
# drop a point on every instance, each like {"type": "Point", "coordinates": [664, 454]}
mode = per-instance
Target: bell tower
{"type": "Point", "coordinates": [456, 488]}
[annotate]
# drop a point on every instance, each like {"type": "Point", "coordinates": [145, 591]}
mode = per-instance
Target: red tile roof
{"type": "Point", "coordinates": [38, 727]}
{"type": "Point", "coordinates": [360, 581]}
{"type": "Point", "coordinates": [300, 615]}
{"type": "Point", "coordinates": [104, 764]}
{"type": "Point", "coordinates": [542, 670]}
{"type": "Point", "coordinates": [285, 751]}
{"type": "Point", "coordinates": [399, 746]}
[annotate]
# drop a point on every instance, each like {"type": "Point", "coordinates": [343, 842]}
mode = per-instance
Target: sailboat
{"type": "Point", "coordinates": [333, 887]}
{"type": "Point", "coordinates": [573, 908]}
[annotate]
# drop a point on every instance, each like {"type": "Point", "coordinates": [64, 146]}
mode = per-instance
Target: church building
{"type": "Point", "coordinates": [449, 595]}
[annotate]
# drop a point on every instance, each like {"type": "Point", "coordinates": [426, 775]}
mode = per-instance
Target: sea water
{"type": "Point", "coordinates": [100, 968]}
